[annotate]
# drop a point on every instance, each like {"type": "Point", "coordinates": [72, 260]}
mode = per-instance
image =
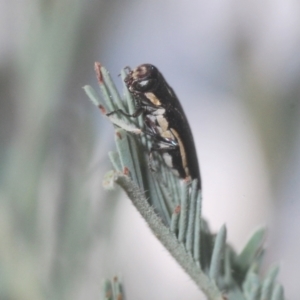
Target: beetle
{"type": "Point", "coordinates": [164, 120]}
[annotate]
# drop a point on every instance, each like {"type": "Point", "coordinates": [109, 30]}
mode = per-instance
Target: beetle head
{"type": "Point", "coordinates": [142, 79]}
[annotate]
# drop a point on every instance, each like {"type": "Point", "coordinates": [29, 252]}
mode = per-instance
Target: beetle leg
{"type": "Point", "coordinates": [137, 113]}
{"type": "Point", "coordinates": [141, 109]}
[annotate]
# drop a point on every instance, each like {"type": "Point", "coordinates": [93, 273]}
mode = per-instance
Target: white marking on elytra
{"type": "Point", "coordinates": [153, 99]}
{"type": "Point", "coordinates": [182, 152]}
{"type": "Point", "coordinates": [167, 134]}
{"type": "Point", "coordinates": [159, 111]}
{"type": "Point", "coordinates": [143, 83]}
{"type": "Point", "coordinates": [162, 122]}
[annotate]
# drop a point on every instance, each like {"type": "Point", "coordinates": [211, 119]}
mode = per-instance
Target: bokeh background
{"type": "Point", "coordinates": [235, 65]}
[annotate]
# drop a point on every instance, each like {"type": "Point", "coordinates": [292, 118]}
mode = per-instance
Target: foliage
{"type": "Point", "coordinates": [172, 209]}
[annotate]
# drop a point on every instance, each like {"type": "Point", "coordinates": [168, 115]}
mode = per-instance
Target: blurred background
{"type": "Point", "coordinates": [235, 66]}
